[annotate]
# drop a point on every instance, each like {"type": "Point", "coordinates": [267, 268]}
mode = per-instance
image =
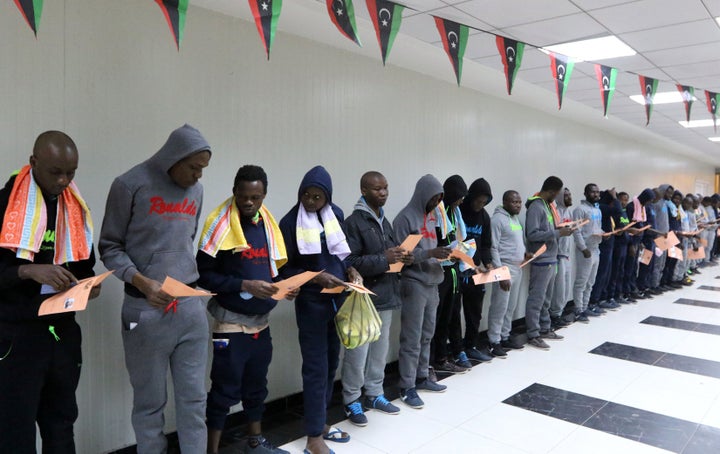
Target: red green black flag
{"type": "Point", "coordinates": [511, 52]}
{"type": "Point", "coordinates": [606, 77]}
{"type": "Point", "coordinates": [31, 11]}
{"type": "Point", "coordinates": [688, 96]}
{"type": "Point", "coordinates": [266, 14]}
{"type": "Point", "coordinates": [386, 17]}
{"type": "Point", "coordinates": [648, 86]}
{"type": "Point", "coordinates": [454, 38]}
{"type": "Point", "coordinates": [175, 11]}
{"type": "Point", "coordinates": [342, 14]}
{"type": "Point", "coordinates": [561, 67]}
{"type": "Point", "coordinates": [712, 103]}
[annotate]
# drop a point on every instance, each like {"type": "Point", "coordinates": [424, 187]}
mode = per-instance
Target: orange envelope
{"type": "Point", "coordinates": [287, 285]}
{"type": "Point", "coordinates": [642, 229]}
{"type": "Point", "coordinates": [696, 255]}
{"type": "Point", "coordinates": [628, 226]}
{"type": "Point", "coordinates": [463, 257]}
{"type": "Point", "coordinates": [73, 299]}
{"type": "Point", "coordinates": [672, 239]}
{"type": "Point", "coordinates": [350, 286]}
{"type": "Point", "coordinates": [496, 275]}
{"type": "Point", "coordinates": [703, 241]}
{"type": "Point", "coordinates": [408, 245]}
{"type": "Point", "coordinates": [675, 253]}
{"type": "Point", "coordinates": [646, 257]}
{"type": "Point", "coordinates": [537, 253]}
{"type": "Point", "coordinates": [177, 289]}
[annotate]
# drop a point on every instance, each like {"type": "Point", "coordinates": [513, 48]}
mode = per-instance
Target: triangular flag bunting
{"type": "Point", "coordinates": [712, 103]}
{"type": "Point", "coordinates": [561, 67]}
{"type": "Point", "coordinates": [386, 17]}
{"type": "Point", "coordinates": [175, 11]}
{"type": "Point", "coordinates": [454, 38]}
{"type": "Point", "coordinates": [606, 78]}
{"type": "Point", "coordinates": [511, 52]}
{"type": "Point", "coordinates": [688, 96]}
{"type": "Point", "coordinates": [31, 11]}
{"type": "Point", "coordinates": [266, 14]}
{"type": "Point", "coordinates": [342, 14]}
{"type": "Point", "coordinates": [648, 86]}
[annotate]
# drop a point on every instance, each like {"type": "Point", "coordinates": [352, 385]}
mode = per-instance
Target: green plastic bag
{"type": "Point", "coordinates": [357, 322]}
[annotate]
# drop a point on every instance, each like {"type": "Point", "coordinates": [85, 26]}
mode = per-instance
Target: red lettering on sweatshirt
{"type": "Point", "coordinates": [160, 206]}
{"type": "Point", "coordinates": [253, 253]}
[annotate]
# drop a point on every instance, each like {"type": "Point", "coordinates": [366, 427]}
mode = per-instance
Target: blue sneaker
{"type": "Point", "coordinates": [462, 361]}
{"type": "Point", "coordinates": [354, 413]}
{"type": "Point", "coordinates": [431, 386]}
{"type": "Point", "coordinates": [380, 403]}
{"type": "Point", "coordinates": [411, 399]}
{"type": "Point", "coordinates": [262, 446]}
{"type": "Point", "coordinates": [478, 355]}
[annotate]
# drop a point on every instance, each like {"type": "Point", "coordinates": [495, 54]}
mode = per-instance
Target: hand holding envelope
{"type": "Point", "coordinates": [537, 254]}
{"type": "Point", "coordinates": [287, 285]}
{"type": "Point", "coordinates": [408, 245]}
{"type": "Point", "coordinates": [74, 299]}
{"type": "Point", "coordinates": [494, 275]}
{"type": "Point", "coordinates": [348, 286]}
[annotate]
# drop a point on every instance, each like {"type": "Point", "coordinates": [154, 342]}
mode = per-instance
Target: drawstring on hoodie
{"type": "Point", "coordinates": [51, 328]}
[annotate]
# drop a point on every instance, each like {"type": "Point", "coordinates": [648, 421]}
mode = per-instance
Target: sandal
{"type": "Point", "coordinates": [336, 435]}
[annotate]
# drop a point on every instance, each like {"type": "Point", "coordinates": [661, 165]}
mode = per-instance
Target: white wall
{"type": "Point", "coordinates": [107, 73]}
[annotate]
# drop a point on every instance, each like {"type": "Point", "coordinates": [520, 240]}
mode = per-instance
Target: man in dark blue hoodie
{"type": "Point", "coordinates": [637, 212]}
{"type": "Point", "coordinates": [148, 234]}
{"type": "Point", "coordinates": [314, 240]}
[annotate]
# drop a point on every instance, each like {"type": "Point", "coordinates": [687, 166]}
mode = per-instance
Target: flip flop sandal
{"type": "Point", "coordinates": [336, 435]}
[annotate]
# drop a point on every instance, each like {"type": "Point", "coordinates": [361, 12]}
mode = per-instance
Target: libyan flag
{"type": "Point", "coordinates": [606, 78]}
{"type": "Point", "coordinates": [266, 14]}
{"type": "Point", "coordinates": [386, 17]}
{"type": "Point", "coordinates": [561, 67]}
{"type": "Point", "coordinates": [454, 38]}
{"type": "Point", "coordinates": [648, 86]}
{"type": "Point", "coordinates": [712, 103]}
{"type": "Point", "coordinates": [511, 52]}
{"type": "Point", "coordinates": [175, 11]}
{"type": "Point", "coordinates": [688, 96]}
{"type": "Point", "coordinates": [31, 11]}
{"type": "Point", "coordinates": [342, 14]}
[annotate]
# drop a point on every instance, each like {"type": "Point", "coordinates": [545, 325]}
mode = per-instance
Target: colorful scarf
{"type": "Point", "coordinates": [25, 222]}
{"type": "Point", "coordinates": [223, 231]}
{"type": "Point", "coordinates": [639, 214]}
{"type": "Point", "coordinates": [447, 226]}
{"type": "Point", "coordinates": [308, 229]}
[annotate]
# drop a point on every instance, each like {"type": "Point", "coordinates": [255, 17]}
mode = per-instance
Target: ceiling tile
{"type": "Point", "coordinates": [557, 30]}
{"type": "Point", "coordinates": [502, 14]}
{"type": "Point", "coordinates": [647, 14]}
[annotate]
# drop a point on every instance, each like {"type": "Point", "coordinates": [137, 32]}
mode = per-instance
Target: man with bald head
{"type": "Point", "coordinates": [45, 248]}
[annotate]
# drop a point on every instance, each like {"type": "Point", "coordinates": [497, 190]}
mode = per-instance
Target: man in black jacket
{"type": "Point", "coordinates": [373, 248]}
{"type": "Point", "coordinates": [40, 357]}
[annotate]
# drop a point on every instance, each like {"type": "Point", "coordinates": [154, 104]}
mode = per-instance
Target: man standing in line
{"type": "Point", "coordinates": [40, 357]}
{"type": "Point", "coordinates": [151, 218]}
{"type": "Point", "coordinates": [587, 258]}
{"type": "Point", "coordinates": [540, 229]}
{"type": "Point", "coordinates": [560, 292]}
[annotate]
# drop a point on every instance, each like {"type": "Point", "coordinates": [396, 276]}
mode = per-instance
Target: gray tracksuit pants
{"type": "Point", "coordinates": [585, 272]}
{"type": "Point", "coordinates": [560, 290]}
{"type": "Point", "coordinates": [417, 326]}
{"type": "Point", "coordinates": [658, 269]}
{"type": "Point", "coordinates": [537, 314]}
{"type": "Point", "coordinates": [502, 306]}
{"type": "Point", "coordinates": [155, 340]}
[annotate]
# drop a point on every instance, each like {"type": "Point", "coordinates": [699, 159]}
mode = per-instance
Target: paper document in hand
{"type": "Point", "coordinates": [177, 289]}
{"type": "Point", "coordinates": [408, 246]}
{"type": "Point", "coordinates": [675, 253]}
{"type": "Point", "coordinates": [494, 275]}
{"type": "Point", "coordinates": [646, 257]}
{"type": "Point", "coordinates": [349, 286]}
{"type": "Point", "coordinates": [696, 255]}
{"type": "Point", "coordinates": [462, 257]}
{"type": "Point", "coordinates": [287, 285]}
{"type": "Point", "coordinates": [537, 254]}
{"type": "Point", "coordinates": [74, 299]}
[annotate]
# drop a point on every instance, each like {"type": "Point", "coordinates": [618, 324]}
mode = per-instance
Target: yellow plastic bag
{"type": "Point", "coordinates": [357, 322]}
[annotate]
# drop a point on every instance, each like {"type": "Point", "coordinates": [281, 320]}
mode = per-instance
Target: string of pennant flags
{"type": "Point", "coordinates": [386, 17]}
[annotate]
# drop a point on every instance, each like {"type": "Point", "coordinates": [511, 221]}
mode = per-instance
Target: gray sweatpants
{"type": "Point", "coordinates": [537, 313]}
{"type": "Point", "coordinates": [585, 272]}
{"type": "Point", "coordinates": [365, 365]}
{"type": "Point", "coordinates": [502, 306]}
{"type": "Point", "coordinates": [153, 341]}
{"type": "Point", "coordinates": [681, 267]}
{"type": "Point", "coordinates": [710, 237]}
{"type": "Point", "coordinates": [658, 269]}
{"type": "Point", "coordinates": [559, 292]}
{"type": "Point", "coordinates": [417, 326]}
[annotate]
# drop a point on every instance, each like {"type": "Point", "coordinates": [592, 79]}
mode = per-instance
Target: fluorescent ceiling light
{"type": "Point", "coordinates": [592, 49]}
{"type": "Point", "coordinates": [663, 97]}
{"type": "Point", "coordinates": [714, 139]}
{"type": "Point", "coordinates": [697, 123]}
{"type": "Point", "coordinates": [717, 19]}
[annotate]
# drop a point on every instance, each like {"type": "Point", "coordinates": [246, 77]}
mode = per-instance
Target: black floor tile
{"type": "Point", "coordinates": [628, 353]}
{"type": "Point", "coordinates": [700, 303]}
{"type": "Point", "coordinates": [705, 440]}
{"type": "Point", "coordinates": [558, 403]}
{"type": "Point", "coordinates": [705, 328]}
{"type": "Point", "coordinates": [709, 287]}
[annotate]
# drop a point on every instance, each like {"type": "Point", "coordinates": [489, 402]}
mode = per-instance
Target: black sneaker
{"type": "Point", "coordinates": [259, 445]}
{"type": "Point", "coordinates": [591, 313]}
{"type": "Point", "coordinates": [478, 355]}
{"type": "Point", "coordinates": [511, 344]}
{"type": "Point", "coordinates": [497, 351]}
{"type": "Point", "coordinates": [354, 413]}
{"type": "Point", "coordinates": [582, 318]}
{"type": "Point", "coordinates": [551, 335]}
{"type": "Point", "coordinates": [621, 300]}
{"type": "Point", "coordinates": [380, 403]}
{"type": "Point", "coordinates": [410, 398]}
{"type": "Point", "coordinates": [538, 343]}
{"type": "Point", "coordinates": [449, 367]}
{"type": "Point", "coordinates": [558, 322]}
{"type": "Point", "coordinates": [426, 385]}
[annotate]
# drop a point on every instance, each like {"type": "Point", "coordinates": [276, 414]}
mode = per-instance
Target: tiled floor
{"type": "Point", "coordinates": [643, 379]}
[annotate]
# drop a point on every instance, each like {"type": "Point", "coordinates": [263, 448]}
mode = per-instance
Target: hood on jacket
{"type": "Point", "coordinates": [663, 189]}
{"type": "Point", "coordinates": [183, 142]}
{"type": "Point", "coordinates": [646, 196]}
{"type": "Point", "coordinates": [500, 210]}
{"type": "Point", "coordinates": [454, 189]}
{"type": "Point", "coordinates": [426, 188]}
{"type": "Point", "coordinates": [317, 177]}
{"type": "Point", "coordinates": [477, 188]}
{"type": "Point", "coordinates": [605, 198]}
{"type": "Point", "coordinates": [560, 199]}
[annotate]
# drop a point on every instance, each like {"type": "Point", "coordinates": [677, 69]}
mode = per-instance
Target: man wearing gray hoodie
{"type": "Point", "coordinates": [508, 249]}
{"type": "Point", "coordinates": [662, 224]}
{"type": "Point", "coordinates": [560, 291]}
{"type": "Point", "coordinates": [419, 290]}
{"type": "Point", "coordinates": [587, 258]}
{"type": "Point", "coordinates": [148, 234]}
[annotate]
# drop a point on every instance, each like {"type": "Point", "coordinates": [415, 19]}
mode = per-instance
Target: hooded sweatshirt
{"type": "Point", "coordinates": [565, 242]}
{"type": "Point", "coordinates": [644, 198]}
{"type": "Point", "coordinates": [508, 242]}
{"type": "Point", "coordinates": [454, 189]}
{"type": "Point", "coordinates": [297, 263]}
{"type": "Point", "coordinates": [478, 223]}
{"type": "Point", "coordinates": [540, 229]}
{"type": "Point", "coordinates": [414, 219]}
{"type": "Point", "coordinates": [150, 222]}
{"type": "Point", "coordinates": [661, 210]}
{"type": "Point", "coordinates": [589, 235]}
